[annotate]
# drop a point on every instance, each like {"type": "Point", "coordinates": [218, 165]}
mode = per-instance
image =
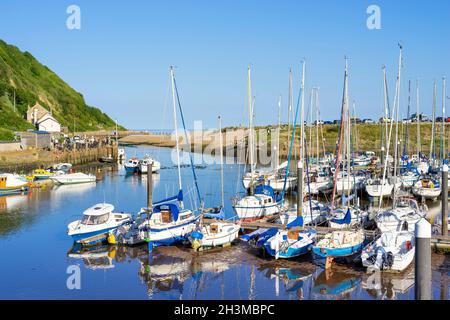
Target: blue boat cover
{"type": "Point", "coordinates": [346, 220]}
{"type": "Point", "coordinates": [298, 222]}
{"type": "Point", "coordinates": [268, 191]}
{"type": "Point", "coordinates": [266, 236]}
{"type": "Point", "coordinates": [178, 197]}
{"type": "Point", "coordinates": [249, 236]}
{"type": "Point", "coordinates": [170, 207]}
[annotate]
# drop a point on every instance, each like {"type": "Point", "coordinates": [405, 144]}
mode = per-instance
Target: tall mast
{"type": "Point", "coordinates": [397, 107]}
{"type": "Point", "coordinates": [302, 114]}
{"type": "Point", "coordinates": [405, 149]}
{"type": "Point", "coordinates": [317, 124]}
{"type": "Point", "coordinates": [290, 103]}
{"type": "Point", "coordinates": [341, 131]}
{"type": "Point", "coordinates": [387, 110]}
{"type": "Point", "coordinates": [250, 122]}
{"type": "Point", "coordinates": [277, 155]}
{"type": "Point", "coordinates": [432, 144]}
{"type": "Point", "coordinates": [419, 147]}
{"type": "Point", "coordinates": [221, 162]}
{"type": "Point", "coordinates": [176, 129]}
{"type": "Point", "coordinates": [443, 156]}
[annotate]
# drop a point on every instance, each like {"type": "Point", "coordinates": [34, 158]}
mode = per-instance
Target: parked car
{"type": "Point", "coordinates": [438, 119]}
{"type": "Point", "coordinates": [368, 121]}
{"type": "Point", "coordinates": [385, 120]}
{"type": "Point", "coordinates": [318, 122]}
{"type": "Point", "coordinates": [447, 119]}
{"type": "Point", "coordinates": [331, 122]}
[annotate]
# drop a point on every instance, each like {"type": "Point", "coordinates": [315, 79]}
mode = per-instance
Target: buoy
{"type": "Point", "coordinates": [111, 239]}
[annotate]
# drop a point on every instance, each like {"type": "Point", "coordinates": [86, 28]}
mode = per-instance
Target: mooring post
{"type": "Point", "coordinates": [382, 155]}
{"type": "Point", "coordinates": [422, 270]}
{"type": "Point", "coordinates": [299, 188]}
{"type": "Point", "coordinates": [444, 200]}
{"type": "Point", "coordinates": [149, 199]}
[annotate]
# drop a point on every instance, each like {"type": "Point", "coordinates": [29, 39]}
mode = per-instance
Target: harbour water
{"type": "Point", "coordinates": [38, 258]}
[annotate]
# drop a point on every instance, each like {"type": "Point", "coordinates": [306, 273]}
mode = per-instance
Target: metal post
{"type": "Point", "coordinates": [444, 200]}
{"type": "Point", "coordinates": [382, 155]}
{"type": "Point", "coordinates": [299, 188]}
{"type": "Point", "coordinates": [149, 202]}
{"type": "Point", "coordinates": [149, 187]}
{"type": "Point", "coordinates": [422, 270]}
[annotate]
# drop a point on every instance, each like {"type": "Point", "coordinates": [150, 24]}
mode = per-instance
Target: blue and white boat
{"type": "Point", "coordinates": [98, 222]}
{"type": "Point", "coordinates": [264, 203]}
{"type": "Point", "coordinates": [133, 165]}
{"type": "Point", "coordinates": [341, 243]}
{"type": "Point", "coordinates": [292, 242]}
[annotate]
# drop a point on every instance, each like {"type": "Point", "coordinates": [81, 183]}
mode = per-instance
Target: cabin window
{"type": "Point", "coordinates": [184, 217]}
{"type": "Point", "coordinates": [93, 220]}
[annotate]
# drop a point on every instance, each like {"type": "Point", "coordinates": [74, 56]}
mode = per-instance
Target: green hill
{"type": "Point", "coordinates": [21, 74]}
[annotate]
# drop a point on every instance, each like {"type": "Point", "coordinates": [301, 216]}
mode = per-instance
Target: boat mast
{"type": "Point", "coordinates": [419, 147]}
{"type": "Point", "coordinates": [443, 156]}
{"type": "Point", "coordinates": [432, 143]}
{"type": "Point", "coordinates": [302, 134]}
{"type": "Point", "coordinates": [341, 131]}
{"type": "Point", "coordinates": [317, 124]}
{"type": "Point", "coordinates": [397, 107]}
{"type": "Point", "coordinates": [176, 131]}
{"type": "Point", "coordinates": [405, 148]}
{"type": "Point", "coordinates": [277, 155]}
{"type": "Point", "coordinates": [290, 103]}
{"type": "Point", "coordinates": [221, 162]}
{"type": "Point", "coordinates": [387, 108]}
{"type": "Point", "coordinates": [250, 124]}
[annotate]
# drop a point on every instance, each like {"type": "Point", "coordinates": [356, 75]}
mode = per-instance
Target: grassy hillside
{"type": "Point", "coordinates": [33, 82]}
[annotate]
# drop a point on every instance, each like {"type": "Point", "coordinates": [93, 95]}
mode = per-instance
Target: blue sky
{"type": "Point", "coordinates": [119, 59]}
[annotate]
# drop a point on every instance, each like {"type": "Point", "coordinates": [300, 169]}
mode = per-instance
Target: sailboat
{"type": "Point", "coordinates": [218, 233]}
{"type": "Point", "coordinates": [345, 242]}
{"type": "Point", "coordinates": [403, 216]}
{"type": "Point", "coordinates": [165, 222]}
{"type": "Point", "coordinates": [294, 241]}
{"type": "Point", "coordinates": [263, 202]}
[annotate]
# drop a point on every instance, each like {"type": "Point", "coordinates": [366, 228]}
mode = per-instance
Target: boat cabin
{"type": "Point", "coordinates": [167, 213]}
{"type": "Point", "coordinates": [98, 214]}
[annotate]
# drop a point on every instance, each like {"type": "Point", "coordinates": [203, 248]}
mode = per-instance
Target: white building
{"type": "Point", "coordinates": [48, 123]}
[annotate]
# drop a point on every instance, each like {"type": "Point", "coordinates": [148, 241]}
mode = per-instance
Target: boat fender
{"type": "Point", "coordinates": [111, 239]}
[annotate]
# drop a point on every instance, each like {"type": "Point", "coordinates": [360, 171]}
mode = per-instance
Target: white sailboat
{"type": "Point", "coordinates": [403, 216]}
{"type": "Point", "coordinates": [263, 202]}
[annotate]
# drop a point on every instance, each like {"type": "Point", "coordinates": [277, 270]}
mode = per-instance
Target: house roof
{"type": "Point", "coordinates": [45, 118]}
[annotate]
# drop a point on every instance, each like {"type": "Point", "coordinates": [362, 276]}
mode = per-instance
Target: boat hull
{"type": "Point", "coordinates": [337, 252]}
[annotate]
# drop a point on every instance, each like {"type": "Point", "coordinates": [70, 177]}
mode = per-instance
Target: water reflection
{"type": "Point", "coordinates": [13, 202]}
{"type": "Point", "coordinates": [385, 286]}
{"type": "Point", "coordinates": [335, 284]}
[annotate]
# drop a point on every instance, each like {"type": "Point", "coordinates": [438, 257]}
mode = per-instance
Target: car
{"type": "Point", "coordinates": [368, 121]}
{"type": "Point", "coordinates": [318, 122]}
{"type": "Point", "coordinates": [385, 120]}
{"type": "Point", "coordinates": [447, 119]}
{"type": "Point", "coordinates": [438, 119]}
{"type": "Point", "coordinates": [331, 122]}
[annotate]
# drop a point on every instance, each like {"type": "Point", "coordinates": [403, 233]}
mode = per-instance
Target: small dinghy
{"type": "Point", "coordinates": [214, 235]}
{"type": "Point", "coordinates": [292, 242]}
{"type": "Point", "coordinates": [341, 243]}
{"type": "Point", "coordinates": [97, 224]}
{"type": "Point", "coordinates": [392, 251]}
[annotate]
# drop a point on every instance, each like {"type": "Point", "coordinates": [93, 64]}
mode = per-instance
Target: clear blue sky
{"type": "Point", "coordinates": [119, 59]}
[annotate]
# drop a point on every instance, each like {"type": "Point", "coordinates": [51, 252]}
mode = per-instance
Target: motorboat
{"type": "Point", "coordinates": [132, 165]}
{"type": "Point", "coordinates": [11, 184]}
{"type": "Point", "coordinates": [73, 178]}
{"type": "Point", "coordinates": [156, 166]}
{"type": "Point", "coordinates": [393, 250]}
{"type": "Point", "coordinates": [97, 223]}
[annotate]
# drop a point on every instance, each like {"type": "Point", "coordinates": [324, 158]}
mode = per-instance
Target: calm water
{"type": "Point", "coordinates": [36, 252]}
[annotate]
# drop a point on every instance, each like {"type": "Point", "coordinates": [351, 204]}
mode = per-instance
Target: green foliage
{"type": "Point", "coordinates": [32, 82]}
